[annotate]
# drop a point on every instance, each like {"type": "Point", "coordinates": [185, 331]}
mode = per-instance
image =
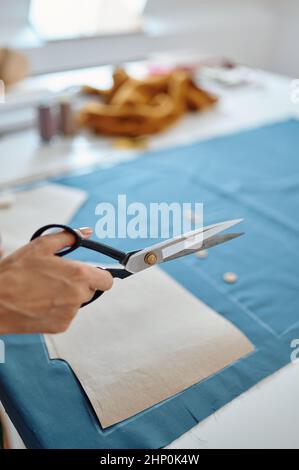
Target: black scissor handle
{"type": "Point", "coordinates": [119, 273]}
{"type": "Point", "coordinates": [80, 241]}
{"type": "Point", "coordinates": [77, 237]}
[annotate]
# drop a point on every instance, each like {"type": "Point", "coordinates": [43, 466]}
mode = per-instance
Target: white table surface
{"type": "Point", "coordinates": [268, 414]}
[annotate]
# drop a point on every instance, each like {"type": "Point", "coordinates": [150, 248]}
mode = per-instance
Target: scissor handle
{"type": "Point", "coordinates": [119, 273]}
{"type": "Point", "coordinates": [77, 237]}
{"type": "Point", "coordinates": [80, 241]}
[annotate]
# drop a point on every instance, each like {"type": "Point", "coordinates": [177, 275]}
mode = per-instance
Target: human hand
{"type": "Point", "coordinates": [41, 292]}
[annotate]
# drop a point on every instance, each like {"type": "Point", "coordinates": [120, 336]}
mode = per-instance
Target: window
{"type": "Point", "coordinates": [62, 19]}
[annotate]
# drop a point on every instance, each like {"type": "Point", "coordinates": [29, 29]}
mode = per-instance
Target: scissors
{"type": "Point", "coordinates": [136, 261]}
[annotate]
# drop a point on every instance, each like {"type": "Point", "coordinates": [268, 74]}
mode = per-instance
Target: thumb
{"type": "Point", "coordinates": [54, 242]}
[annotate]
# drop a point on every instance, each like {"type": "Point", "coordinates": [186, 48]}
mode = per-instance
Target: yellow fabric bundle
{"type": "Point", "coordinates": [134, 108]}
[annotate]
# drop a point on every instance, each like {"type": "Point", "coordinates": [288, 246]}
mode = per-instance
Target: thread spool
{"type": "Point", "coordinates": [66, 118]}
{"type": "Point", "coordinates": [46, 122]}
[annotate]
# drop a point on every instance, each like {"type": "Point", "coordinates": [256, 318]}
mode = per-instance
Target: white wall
{"type": "Point", "coordinates": [260, 33]}
{"type": "Point", "coordinates": [284, 55]}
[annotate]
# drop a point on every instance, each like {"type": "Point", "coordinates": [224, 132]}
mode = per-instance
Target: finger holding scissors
{"type": "Point", "coordinates": [136, 261]}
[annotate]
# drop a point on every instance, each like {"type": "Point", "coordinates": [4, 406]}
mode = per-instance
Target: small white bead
{"type": "Point", "coordinates": [202, 254]}
{"type": "Point", "coordinates": [230, 277]}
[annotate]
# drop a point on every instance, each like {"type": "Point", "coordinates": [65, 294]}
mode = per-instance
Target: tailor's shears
{"type": "Point", "coordinates": [135, 261]}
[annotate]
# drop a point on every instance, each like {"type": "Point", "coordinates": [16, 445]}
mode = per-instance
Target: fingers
{"type": "Point", "coordinates": [100, 279]}
{"type": "Point", "coordinates": [84, 278]}
{"type": "Point", "coordinates": [85, 232]}
{"type": "Point", "coordinates": [89, 277]}
{"type": "Point", "coordinates": [52, 243]}
{"type": "Point", "coordinates": [80, 280]}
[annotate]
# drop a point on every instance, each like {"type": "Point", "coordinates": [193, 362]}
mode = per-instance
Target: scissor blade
{"type": "Point", "coordinates": [198, 239]}
{"type": "Point", "coordinates": [171, 249]}
{"type": "Point", "coordinates": [200, 232]}
{"type": "Point", "coordinates": [209, 243]}
{"type": "Point", "coordinates": [211, 230]}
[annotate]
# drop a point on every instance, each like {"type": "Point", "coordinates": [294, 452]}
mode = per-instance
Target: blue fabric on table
{"type": "Point", "coordinates": [253, 174]}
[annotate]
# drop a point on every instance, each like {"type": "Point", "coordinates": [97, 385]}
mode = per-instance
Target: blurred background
{"type": "Point", "coordinates": [86, 84]}
{"type": "Point", "coordinates": [65, 34]}
{"type": "Point", "coordinates": [72, 73]}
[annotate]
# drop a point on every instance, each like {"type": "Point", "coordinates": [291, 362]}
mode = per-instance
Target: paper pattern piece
{"type": "Point", "coordinates": [32, 208]}
{"type": "Point", "coordinates": [145, 340]}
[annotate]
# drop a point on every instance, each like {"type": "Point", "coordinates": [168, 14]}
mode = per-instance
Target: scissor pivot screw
{"type": "Point", "coordinates": [150, 258]}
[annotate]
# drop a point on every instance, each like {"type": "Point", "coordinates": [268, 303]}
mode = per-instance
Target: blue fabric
{"type": "Point", "coordinates": [252, 174]}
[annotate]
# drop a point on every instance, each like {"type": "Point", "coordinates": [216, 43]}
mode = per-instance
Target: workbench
{"type": "Point", "coordinates": [267, 414]}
